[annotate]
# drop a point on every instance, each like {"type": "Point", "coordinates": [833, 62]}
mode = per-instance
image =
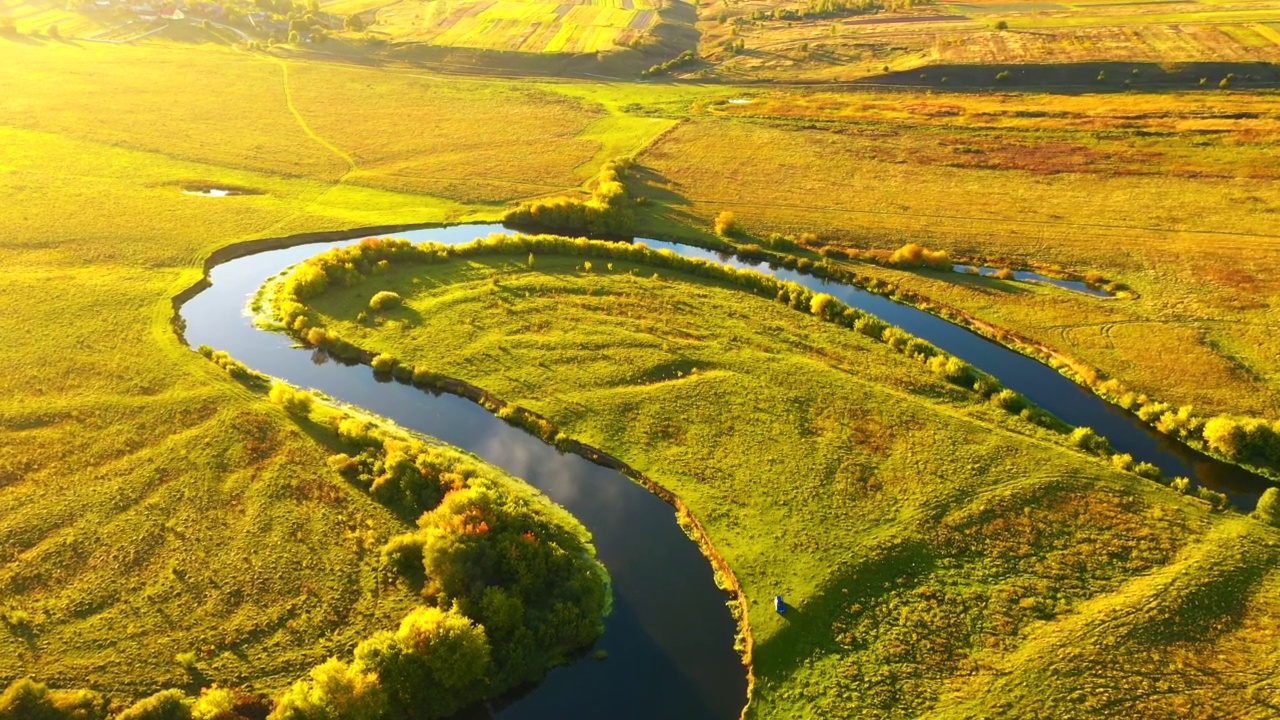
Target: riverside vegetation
{"type": "Point", "coordinates": [921, 583]}
{"type": "Point", "coordinates": [165, 527]}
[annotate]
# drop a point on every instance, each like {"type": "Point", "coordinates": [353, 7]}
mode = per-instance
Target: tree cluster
{"type": "Point", "coordinates": [608, 211]}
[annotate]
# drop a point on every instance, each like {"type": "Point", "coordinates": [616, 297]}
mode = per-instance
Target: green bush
{"type": "Point", "coordinates": [1216, 499]}
{"type": "Point", "coordinates": [26, 699]}
{"type": "Point", "coordinates": [1181, 484]}
{"type": "Point", "coordinates": [726, 224]}
{"type": "Point", "coordinates": [432, 667]}
{"type": "Point", "coordinates": [335, 691]}
{"type": "Point", "coordinates": [164, 705]}
{"type": "Point", "coordinates": [295, 402]}
{"type": "Point", "coordinates": [1250, 440]}
{"type": "Point", "coordinates": [383, 364]}
{"type": "Point", "coordinates": [608, 212]}
{"type": "Point", "coordinates": [1122, 461]}
{"type": "Point", "coordinates": [1148, 471]}
{"type": "Point", "coordinates": [215, 703]}
{"type": "Point", "coordinates": [913, 255]}
{"type": "Point", "coordinates": [385, 300]}
{"type": "Point", "coordinates": [1088, 440]}
{"type": "Point", "coordinates": [1009, 401]}
{"type": "Point", "coordinates": [533, 586]}
{"type": "Point", "coordinates": [953, 370]}
{"type": "Point", "coordinates": [1268, 510]}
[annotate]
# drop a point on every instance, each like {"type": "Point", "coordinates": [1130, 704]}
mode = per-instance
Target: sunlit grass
{"type": "Point", "coordinates": [933, 551]}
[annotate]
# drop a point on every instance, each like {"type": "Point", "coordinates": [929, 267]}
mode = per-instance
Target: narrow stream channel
{"type": "Point", "coordinates": [670, 637]}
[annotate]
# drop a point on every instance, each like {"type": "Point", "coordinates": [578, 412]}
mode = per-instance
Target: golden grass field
{"type": "Point", "coordinates": [964, 34]}
{"type": "Point", "coordinates": [1165, 193]}
{"type": "Point", "coordinates": [585, 26]}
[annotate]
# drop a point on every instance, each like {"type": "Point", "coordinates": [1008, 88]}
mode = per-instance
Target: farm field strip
{"type": "Point", "coordinates": [550, 27]}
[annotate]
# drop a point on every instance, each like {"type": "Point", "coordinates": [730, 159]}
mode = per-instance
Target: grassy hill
{"type": "Point", "coordinates": [941, 558]}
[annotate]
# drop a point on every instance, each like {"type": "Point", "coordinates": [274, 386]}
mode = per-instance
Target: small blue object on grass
{"type": "Point", "coordinates": [779, 605]}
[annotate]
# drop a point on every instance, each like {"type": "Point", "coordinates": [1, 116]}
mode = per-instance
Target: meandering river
{"type": "Point", "coordinates": [670, 637]}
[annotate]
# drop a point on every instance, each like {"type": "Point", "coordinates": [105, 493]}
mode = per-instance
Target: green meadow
{"type": "Point", "coordinates": [166, 526]}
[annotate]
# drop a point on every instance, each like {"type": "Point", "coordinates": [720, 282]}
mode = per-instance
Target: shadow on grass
{"type": "Point", "coordinates": [1087, 77]}
{"type": "Point", "coordinates": [664, 212]}
{"type": "Point", "coordinates": [22, 39]}
{"type": "Point", "coordinates": [808, 627]}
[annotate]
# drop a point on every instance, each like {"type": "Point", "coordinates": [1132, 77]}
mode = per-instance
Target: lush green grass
{"type": "Point", "coordinates": [938, 554]}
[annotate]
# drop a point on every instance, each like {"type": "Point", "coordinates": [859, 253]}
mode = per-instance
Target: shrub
{"type": "Point", "coordinates": [986, 386]}
{"type": "Point", "coordinates": [1009, 401]}
{"type": "Point", "coordinates": [1088, 440]}
{"type": "Point", "coordinates": [1002, 25]}
{"type": "Point", "coordinates": [354, 23]}
{"type": "Point", "coordinates": [1244, 439]}
{"type": "Point", "coordinates": [502, 566]}
{"type": "Point", "coordinates": [1181, 484]}
{"type": "Point", "coordinates": [403, 554]}
{"type": "Point", "coordinates": [822, 305]}
{"type": "Point", "coordinates": [1004, 273]}
{"type": "Point", "coordinates": [385, 300]}
{"type": "Point", "coordinates": [215, 703]}
{"type": "Point", "coordinates": [726, 224]}
{"type": "Point", "coordinates": [1122, 461]}
{"type": "Point", "coordinates": [608, 212]}
{"type": "Point", "coordinates": [187, 660]}
{"type": "Point", "coordinates": [26, 699]}
{"type": "Point", "coordinates": [335, 691]}
{"type": "Point", "coordinates": [1268, 510]}
{"type": "Point", "coordinates": [914, 255]}
{"type": "Point", "coordinates": [433, 666]}
{"type": "Point", "coordinates": [164, 705]}
{"type": "Point", "coordinates": [383, 364]}
{"type": "Point", "coordinates": [295, 402]}
{"type": "Point", "coordinates": [1213, 497]}
{"type": "Point", "coordinates": [953, 370]}
{"type": "Point", "coordinates": [1151, 411]}
{"type": "Point", "coordinates": [678, 61]}
{"type": "Point", "coordinates": [1148, 471]}
{"type": "Point", "coordinates": [872, 327]}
